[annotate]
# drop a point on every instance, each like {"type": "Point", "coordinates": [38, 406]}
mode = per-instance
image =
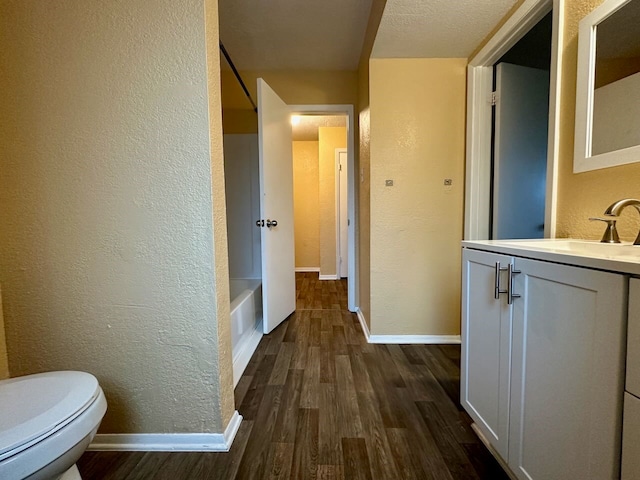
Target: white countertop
{"type": "Point", "coordinates": [616, 257]}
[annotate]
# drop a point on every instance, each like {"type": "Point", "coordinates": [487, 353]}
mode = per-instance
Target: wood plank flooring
{"type": "Point", "coordinates": [320, 403]}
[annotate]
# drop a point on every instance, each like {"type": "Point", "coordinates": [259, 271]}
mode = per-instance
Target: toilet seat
{"type": "Point", "coordinates": [36, 406]}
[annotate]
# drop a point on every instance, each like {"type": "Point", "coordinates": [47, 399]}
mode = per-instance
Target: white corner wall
{"type": "Point", "coordinates": [242, 178]}
{"type": "Point", "coordinates": [107, 245]}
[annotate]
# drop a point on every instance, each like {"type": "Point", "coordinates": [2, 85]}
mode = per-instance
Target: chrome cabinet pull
{"type": "Point", "coordinates": [510, 294]}
{"type": "Point", "coordinates": [496, 288]}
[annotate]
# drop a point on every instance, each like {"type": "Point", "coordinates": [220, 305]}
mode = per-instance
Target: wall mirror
{"type": "Point", "coordinates": [608, 87]}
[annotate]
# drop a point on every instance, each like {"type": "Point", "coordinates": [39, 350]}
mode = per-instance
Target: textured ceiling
{"type": "Point", "coordinates": [294, 34]}
{"type": "Point", "coordinates": [307, 127]}
{"type": "Point", "coordinates": [436, 28]}
{"type": "Point", "coordinates": [328, 35]}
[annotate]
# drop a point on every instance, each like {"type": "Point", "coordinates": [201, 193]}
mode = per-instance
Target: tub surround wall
{"type": "Point", "coordinates": [110, 258]}
{"type": "Point", "coordinates": [242, 187]}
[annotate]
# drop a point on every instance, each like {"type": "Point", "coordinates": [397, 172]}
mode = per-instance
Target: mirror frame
{"type": "Point", "coordinates": [583, 161]}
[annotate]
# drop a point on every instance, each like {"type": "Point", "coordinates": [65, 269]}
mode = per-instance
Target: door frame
{"type": "Point", "coordinates": [338, 151]}
{"type": "Point", "coordinates": [352, 278]}
{"type": "Point", "coordinates": [479, 125]}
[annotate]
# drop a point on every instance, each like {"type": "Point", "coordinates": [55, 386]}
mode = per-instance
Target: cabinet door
{"type": "Point", "coordinates": [486, 347]}
{"type": "Point", "coordinates": [567, 372]}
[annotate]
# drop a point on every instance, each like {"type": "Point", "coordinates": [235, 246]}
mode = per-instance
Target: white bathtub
{"type": "Point", "coordinates": [246, 321]}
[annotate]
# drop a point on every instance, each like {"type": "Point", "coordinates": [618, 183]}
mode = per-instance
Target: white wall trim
{"type": "Point", "coordinates": [169, 442]}
{"type": "Point", "coordinates": [245, 351]}
{"type": "Point", "coordinates": [328, 277]}
{"type": "Point", "coordinates": [553, 148]}
{"type": "Point", "coordinates": [353, 290]}
{"type": "Point", "coordinates": [404, 339]}
{"type": "Point", "coordinates": [308, 269]}
{"type": "Point", "coordinates": [415, 339]}
{"type": "Point", "coordinates": [363, 324]}
{"type": "Point", "coordinates": [480, 80]}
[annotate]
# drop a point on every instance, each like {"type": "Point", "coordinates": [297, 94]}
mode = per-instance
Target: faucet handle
{"type": "Point", "coordinates": [611, 233]}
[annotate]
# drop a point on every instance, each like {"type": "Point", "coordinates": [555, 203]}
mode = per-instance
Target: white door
{"type": "Point", "coordinates": [343, 227]}
{"type": "Point", "coordinates": [520, 151]}
{"type": "Point", "coordinates": [486, 345]}
{"type": "Point", "coordinates": [276, 208]}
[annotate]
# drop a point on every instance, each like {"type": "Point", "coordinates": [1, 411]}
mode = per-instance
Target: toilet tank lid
{"type": "Point", "coordinates": [34, 405]}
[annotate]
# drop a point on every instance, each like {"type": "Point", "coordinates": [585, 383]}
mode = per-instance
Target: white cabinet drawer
{"type": "Point", "coordinates": [631, 438]}
{"type": "Point", "coordinates": [633, 339]}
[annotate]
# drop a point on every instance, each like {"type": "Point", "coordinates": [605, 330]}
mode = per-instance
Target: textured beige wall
{"type": "Point", "coordinates": [306, 204]}
{"type": "Point", "coordinates": [329, 138]}
{"type": "Point", "coordinates": [363, 163]}
{"type": "Point", "coordinates": [363, 181]}
{"type": "Point", "coordinates": [586, 194]}
{"type": "Point", "coordinates": [222, 370]}
{"type": "Point", "coordinates": [417, 140]}
{"type": "Point", "coordinates": [108, 258]}
{"type": "Point", "coordinates": [4, 360]}
{"type": "Point", "coordinates": [294, 87]}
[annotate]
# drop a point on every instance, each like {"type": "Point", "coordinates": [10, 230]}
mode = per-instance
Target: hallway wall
{"type": "Point", "coordinates": [329, 138]}
{"type": "Point", "coordinates": [294, 87]}
{"type": "Point", "coordinates": [306, 204]}
{"type": "Point", "coordinates": [417, 140]}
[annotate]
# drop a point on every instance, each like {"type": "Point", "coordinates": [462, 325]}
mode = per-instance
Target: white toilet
{"type": "Point", "coordinates": [47, 421]}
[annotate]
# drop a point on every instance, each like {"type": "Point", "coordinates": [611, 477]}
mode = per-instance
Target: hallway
{"type": "Point", "coordinates": [318, 401]}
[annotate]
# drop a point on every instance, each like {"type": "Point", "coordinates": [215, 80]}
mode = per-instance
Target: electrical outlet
{"type": "Point", "coordinates": [388, 183]}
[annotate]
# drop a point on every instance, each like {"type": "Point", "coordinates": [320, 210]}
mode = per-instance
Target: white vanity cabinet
{"type": "Point", "coordinates": [543, 376]}
{"type": "Point", "coordinates": [631, 423]}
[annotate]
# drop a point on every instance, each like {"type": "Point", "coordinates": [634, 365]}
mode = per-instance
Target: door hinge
{"type": "Point", "coordinates": [494, 98]}
{"type": "Point", "coordinates": [348, 222]}
{"type": "Point", "coordinates": [340, 167]}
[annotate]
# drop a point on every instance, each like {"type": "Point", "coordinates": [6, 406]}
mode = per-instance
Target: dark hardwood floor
{"type": "Point", "coordinates": [320, 403]}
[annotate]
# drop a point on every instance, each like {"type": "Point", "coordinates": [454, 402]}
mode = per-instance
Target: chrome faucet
{"type": "Point", "coordinates": [615, 209]}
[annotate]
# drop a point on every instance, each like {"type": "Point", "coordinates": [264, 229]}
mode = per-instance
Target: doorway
{"type": "Point", "coordinates": [338, 239]}
{"type": "Point", "coordinates": [520, 124]}
{"type": "Point", "coordinates": [478, 188]}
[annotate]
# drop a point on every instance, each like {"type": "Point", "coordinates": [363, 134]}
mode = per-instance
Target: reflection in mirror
{"type": "Point", "coordinates": [616, 95]}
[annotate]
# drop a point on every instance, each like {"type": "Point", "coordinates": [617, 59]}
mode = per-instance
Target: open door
{"type": "Point", "coordinates": [276, 208]}
{"type": "Point", "coordinates": [520, 151]}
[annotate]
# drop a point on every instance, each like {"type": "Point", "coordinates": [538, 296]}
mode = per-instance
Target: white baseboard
{"type": "Point", "coordinates": [245, 352]}
{"type": "Point", "coordinates": [328, 277]}
{"type": "Point", "coordinates": [404, 339]}
{"type": "Point", "coordinates": [169, 442]}
{"type": "Point", "coordinates": [308, 269]}
{"type": "Point", "coordinates": [363, 324]}
{"type": "Point", "coordinates": [414, 339]}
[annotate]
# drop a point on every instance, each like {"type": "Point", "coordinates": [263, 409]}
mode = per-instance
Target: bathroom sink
{"type": "Point", "coordinates": [616, 257]}
{"type": "Point", "coordinates": [588, 248]}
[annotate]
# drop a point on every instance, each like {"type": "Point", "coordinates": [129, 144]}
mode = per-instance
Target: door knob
{"type": "Point", "coordinates": [272, 223]}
